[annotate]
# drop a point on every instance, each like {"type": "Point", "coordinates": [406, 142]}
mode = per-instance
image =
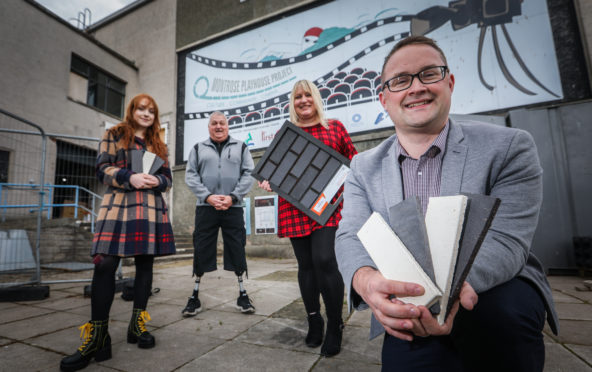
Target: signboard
{"type": "Point", "coordinates": [501, 53]}
{"type": "Point", "coordinates": [266, 214]}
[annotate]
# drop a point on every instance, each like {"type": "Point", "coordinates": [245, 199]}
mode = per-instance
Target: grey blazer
{"type": "Point", "coordinates": [479, 158]}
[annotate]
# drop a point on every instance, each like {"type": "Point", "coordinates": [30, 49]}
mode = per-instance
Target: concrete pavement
{"type": "Point", "coordinates": [34, 336]}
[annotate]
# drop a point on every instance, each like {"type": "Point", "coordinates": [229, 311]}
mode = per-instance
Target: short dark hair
{"type": "Point", "coordinates": [412, 40]}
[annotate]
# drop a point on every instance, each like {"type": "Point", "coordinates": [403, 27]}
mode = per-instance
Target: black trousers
{"type": "Point", "coordinates": [502, 333]}
{"type": "Point", "coordinates": [208, 221]}
{"type": "Point", "coordinates": [103, 284]}
{"type": "Point", "coordinates": [318, 273]}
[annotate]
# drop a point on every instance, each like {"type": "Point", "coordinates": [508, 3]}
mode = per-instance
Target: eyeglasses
{"type": "Point", "coordinates": [429, 75]}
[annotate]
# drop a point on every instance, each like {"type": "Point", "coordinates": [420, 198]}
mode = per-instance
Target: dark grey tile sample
{"type": "Point", "coordinates": [305, 160]}
{"type": "Point", "coordinates": [137, 165]}
{"type": "Point", "coordinates": [304, 182]}
{"type": "Point", "coordinates": [481, 210]}
{"type": "Point", "coordinates": [328, 171]}
{"type": "Point", "coordinates": [284, 167]}
{"type": "Point", "coordinates": [320, 160]}
{"type": "Point", "coordinates": [407, 221]}
{"type": "Point", "coordinates": [268, 170]}
{"type": "Point", "coordinates": [283, 145]}
{"type": "Point", "coordinates": [299, 167]}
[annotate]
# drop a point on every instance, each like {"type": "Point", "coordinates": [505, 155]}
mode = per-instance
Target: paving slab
{"type": "Point", "coordinates": [279, 333]}
{"type": "Point", "coordinates": [340, 365]}
{"type": "Point", "coordinates": [172, 350]}
{"type": "Point", "coordinates": [239, 356]}
{"type": "Point", "coordinates": [574, 311]}
{"type": "Point", "coordinates": [360, 318]}
{"type": "Point", "coordinates": [573, 332]}
{"type": "Point", "coordinates": [584, 352]}
{"type": "Point", "coordinates": [356, 346]}
{"type": "Point", "coordinates": [67, 340]}
{"type": "Point", "coordinates": [20, 312]}
{"type": "Point", "coordinates": [67, 303]}
{"type": "Point", "coordinates": [22, 357]}
{"type": "Point", "coordinates": [559, 359]}
{"type": "Point", "coordinates": [216, 324]}
{"type": "Point", "coordinates": [40, 325]}
{"type": "Point", "coordinates": [221, 338]}
{"type": "Point", "coordinates": [560, 297]}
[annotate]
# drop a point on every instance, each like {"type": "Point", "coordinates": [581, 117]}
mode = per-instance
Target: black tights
{"type": "Point", "coordinates": [318, 272]}
{"type": "Point", "coordinates": [103, 284]}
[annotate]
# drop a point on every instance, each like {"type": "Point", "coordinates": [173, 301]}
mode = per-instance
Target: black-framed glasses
{"type": "Point", "coordinates": [429, 75]}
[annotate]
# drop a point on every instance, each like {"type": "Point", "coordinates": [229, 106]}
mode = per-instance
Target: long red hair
{"type": "Point", "coordinates": [126, 130]}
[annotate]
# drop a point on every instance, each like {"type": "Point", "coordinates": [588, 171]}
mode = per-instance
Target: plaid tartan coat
{"type": "Point", "coordinates": [130, 221]}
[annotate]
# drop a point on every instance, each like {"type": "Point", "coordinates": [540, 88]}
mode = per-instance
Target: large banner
{"type": "Point", "coordinates": [501, 53]}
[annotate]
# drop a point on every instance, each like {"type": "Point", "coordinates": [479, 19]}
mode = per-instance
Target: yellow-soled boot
{"type": "Point", "coordinates": [97, 344]}
{"type": "Point", "coordinates": [137, 332]}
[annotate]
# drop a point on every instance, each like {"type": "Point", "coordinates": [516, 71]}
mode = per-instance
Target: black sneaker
{"type": "Point", "coordinates": [193, 307]}
{"type": "Point", "coordinates": [244, 304]}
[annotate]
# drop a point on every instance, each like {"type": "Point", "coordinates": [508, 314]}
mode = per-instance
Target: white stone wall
{"type": "Point", "coordinates": [35, 57]}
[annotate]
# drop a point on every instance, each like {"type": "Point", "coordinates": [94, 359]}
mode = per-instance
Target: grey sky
{"type": "Point", "coordinates": [68, 9]}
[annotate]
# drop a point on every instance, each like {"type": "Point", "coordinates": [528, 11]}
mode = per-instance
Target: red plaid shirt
{"type": "Point", "coordinates": [292, 222]}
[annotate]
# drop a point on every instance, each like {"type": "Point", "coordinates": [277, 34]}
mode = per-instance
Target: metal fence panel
{"type": "Point", "coordinates": [49, 197]}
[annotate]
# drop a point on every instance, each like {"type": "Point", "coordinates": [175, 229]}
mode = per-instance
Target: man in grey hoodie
{"type": "Point", "coordinates": [218, 172]}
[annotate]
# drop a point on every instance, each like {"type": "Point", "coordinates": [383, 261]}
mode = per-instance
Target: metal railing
{"type": "Point", "coordinates": [47, 205]}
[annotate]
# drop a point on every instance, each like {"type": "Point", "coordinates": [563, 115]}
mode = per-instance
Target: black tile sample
{"type": "Point", "coordinates": [299, 167]}
{"type": "Point", "coordinates": [481, 210]}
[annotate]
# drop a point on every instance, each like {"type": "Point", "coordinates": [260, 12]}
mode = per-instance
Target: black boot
{"type": "Point", "coordinates": [316, 326]}
{"type": "Point", "coordinates": [332, 344]}
{"type": "Point", "coordinates": [97, 344]}
{"type": "Point", "coordinates": [137, 333]}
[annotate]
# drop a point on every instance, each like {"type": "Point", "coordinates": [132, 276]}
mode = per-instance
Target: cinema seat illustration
{"type": "Point", "coordinates": [363, 83]}
{"type": "Point", "coordinates": [253, 116]}
{"type": "Point", "coordinates": [340, 75]}
{"type": "Point", "coordinates": [342, 88]}
{"type": "Point", "coordinates": [364, 94]}
{"type": "Point", "coordinates": [350, 79]}
{"type": "Point", "coordinates": [325, 92]}
{"type": "Point", "coordinates": [286, 109]}
{"type": "Point", "coordinates": [370, 75]}
{"type": "Point", "coordinates": [235, 120]}
{"type": "Point", "coordinates": [272, 112]}
{"type": "Point", "coordinates": [331, 83]}
{"type": "Point", "coordinates": [377, 82]}
{"type": "Point", "coordinates": [337, 100]}
{"type": "Point", "coordinates": [357, 71]}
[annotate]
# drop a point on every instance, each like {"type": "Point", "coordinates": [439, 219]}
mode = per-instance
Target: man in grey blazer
{"type": "Point", "coordinates": [497, 324]}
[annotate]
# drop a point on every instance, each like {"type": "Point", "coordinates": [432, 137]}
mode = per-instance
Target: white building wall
{"type": "Point", "coordinates": [35, 58]}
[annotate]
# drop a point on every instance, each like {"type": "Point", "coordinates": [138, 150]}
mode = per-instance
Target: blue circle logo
{"type": "Point", "coordinates": [201, 87]}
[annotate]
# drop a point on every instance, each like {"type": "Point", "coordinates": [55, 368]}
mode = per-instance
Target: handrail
{"type": "Point", "coordinates": [48, 205]}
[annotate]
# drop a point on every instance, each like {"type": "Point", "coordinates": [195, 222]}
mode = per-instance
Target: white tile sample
{"type": "Point", "coordinates": [444, 223]}
{"type": "Point", "coordinates": [394, 261]}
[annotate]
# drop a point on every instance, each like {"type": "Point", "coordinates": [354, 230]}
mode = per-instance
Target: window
{"type": "Point", "coordinates": [4, 157]}
{"type": "Point", "coordinates": [96, 87]}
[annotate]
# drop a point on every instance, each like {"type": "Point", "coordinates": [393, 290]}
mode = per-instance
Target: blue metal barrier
{"type": "Point", "coordinates": [47, 205]}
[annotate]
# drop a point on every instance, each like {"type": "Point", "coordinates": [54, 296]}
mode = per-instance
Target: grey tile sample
{"type": "Point", "coordinates": [407, 221]}
{"type": "Point", "coordinates": [479, 215]}
{"type": "Point", "coordinates": [299, 167]}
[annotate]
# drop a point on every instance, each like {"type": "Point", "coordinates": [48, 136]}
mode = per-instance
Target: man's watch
{"type": "Point", "coordinates": [234, 198]}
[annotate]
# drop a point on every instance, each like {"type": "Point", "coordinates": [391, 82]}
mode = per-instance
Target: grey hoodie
{"type": "Point", "coordinates": [228, 173]}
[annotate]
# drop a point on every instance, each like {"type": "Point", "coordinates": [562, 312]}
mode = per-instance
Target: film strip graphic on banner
{"type": "Point", "coordinates": [339, 87]}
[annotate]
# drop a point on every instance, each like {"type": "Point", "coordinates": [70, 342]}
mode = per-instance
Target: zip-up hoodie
{"type": "Point", "coordinates": [225, 173]}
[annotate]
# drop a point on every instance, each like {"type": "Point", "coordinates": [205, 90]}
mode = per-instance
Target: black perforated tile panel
{"type": "Point", "coordinates": [304, 171]}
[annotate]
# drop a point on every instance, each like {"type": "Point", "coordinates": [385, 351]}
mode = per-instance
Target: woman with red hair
{"type": "Point", "coordinates": [132, 222]}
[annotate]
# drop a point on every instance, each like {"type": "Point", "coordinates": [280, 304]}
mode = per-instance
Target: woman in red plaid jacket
{"type": "Point", "coordinates": [314, 244]}
{"type": "Point", "coordinates": [132, 221]}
